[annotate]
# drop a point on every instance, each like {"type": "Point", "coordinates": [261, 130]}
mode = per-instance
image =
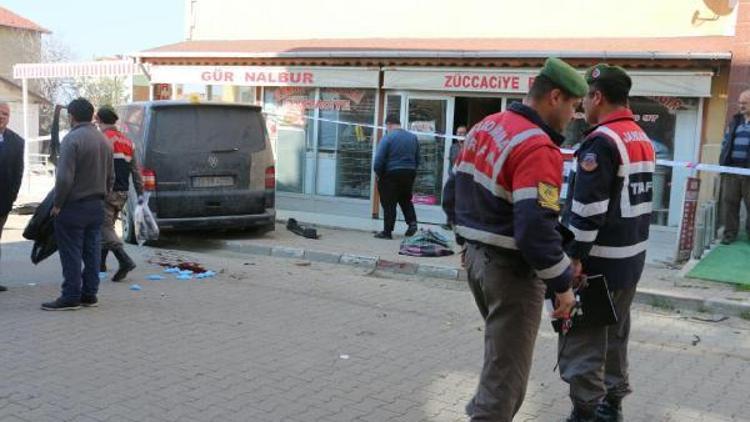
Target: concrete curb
{"type": "Point", "coordinates": [652, 297]}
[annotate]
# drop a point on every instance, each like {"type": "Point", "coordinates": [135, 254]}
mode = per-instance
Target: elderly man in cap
{"type": "Point", "coordinates": [503, 198]}
{"type": "Point", "coordinates": [609, 212]}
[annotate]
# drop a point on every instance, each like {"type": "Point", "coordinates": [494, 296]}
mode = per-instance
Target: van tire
{"type": "Point", "coordinates": [128, 226]}
{"type": "Point", "coordinates": [265, 229]}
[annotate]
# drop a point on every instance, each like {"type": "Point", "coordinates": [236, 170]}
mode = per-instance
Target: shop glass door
{"type": "Point", "coordinates": [427, 118]}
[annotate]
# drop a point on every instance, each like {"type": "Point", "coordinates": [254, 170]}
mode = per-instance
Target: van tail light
{"type": "Point", "coordinates": [270, 178]}
{"type": "Point", "coordinates": [270, 195]}
{"type": "Point", "coordinates": [149, 179]}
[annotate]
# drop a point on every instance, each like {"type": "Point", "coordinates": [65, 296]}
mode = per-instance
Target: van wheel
{"type": "Point", "coordinates": [128, 227]}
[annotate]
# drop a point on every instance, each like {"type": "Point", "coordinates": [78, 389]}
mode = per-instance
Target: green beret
{"type": "Point", "coordinates": [565, 76]}
{"type": "Point", "coordinates": [609, 74]}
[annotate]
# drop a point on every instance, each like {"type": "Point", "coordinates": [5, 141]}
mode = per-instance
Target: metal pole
{"type": "Point", "coordinates": [25, 93]}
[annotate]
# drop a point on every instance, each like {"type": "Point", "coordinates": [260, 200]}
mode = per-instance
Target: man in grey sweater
{"type": "Point", "coordinates": [85, 175]}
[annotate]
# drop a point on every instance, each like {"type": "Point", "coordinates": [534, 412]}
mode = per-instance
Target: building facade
{"type": "Point", "coordinates": [326, 92]}
{"type": "Point", "coordinates": [20, 42]}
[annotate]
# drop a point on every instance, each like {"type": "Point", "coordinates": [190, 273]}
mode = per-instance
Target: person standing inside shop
{"type": "Point", "coordinates": [396, 163]}
{"type": "Point", "coordinates": [735, 152]}
{"type": "Point", "coordinates": [504, 197]}
{"type": "Point", "coordinates": [85, 175]}
{"type": "Point", "coordinates": [608, 210]}
{"type": "Point", "coordinates": [456, 146]}
{"type": "Point", "coordinates": [126, 165]}
{"type": "Point", "coordinates": [11, 167]}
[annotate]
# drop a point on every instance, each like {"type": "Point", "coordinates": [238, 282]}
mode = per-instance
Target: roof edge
{"type": "Point", "coordinates": [448, 54]}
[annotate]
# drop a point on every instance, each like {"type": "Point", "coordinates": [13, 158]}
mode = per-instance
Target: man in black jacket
{"type": "Point", "coordinates": [735, 152]}
{"type": "Point", "coordinates": [11, 167]}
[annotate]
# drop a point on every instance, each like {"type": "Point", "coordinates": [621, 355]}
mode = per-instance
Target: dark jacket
{"type": "Point", "coordinates": [725, 158]}
{"type": "Point", "coordinates": [11, 169]}
{"type": "Point", "coordinates": [504, 191]}
{"type": "Point", "coordinates": [126, 161]}
{"type": "Point", "coordinates": [41, 229]}
{"type": "Point", "coordinates": [85, 168]}
{"type": "Point", "coordinates": [609, 202]}
{"type": "Point", "coordinates": [399, 150]}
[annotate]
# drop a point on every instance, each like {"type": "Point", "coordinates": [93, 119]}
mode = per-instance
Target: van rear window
{"type": "Point", "coordinates": [206, 129]}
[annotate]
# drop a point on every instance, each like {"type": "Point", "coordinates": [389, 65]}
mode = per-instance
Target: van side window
{"type": "Point", "coordinates": [131, 124]}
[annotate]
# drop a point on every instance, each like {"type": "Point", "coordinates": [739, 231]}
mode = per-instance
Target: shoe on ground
{"type": "Point", "coordinates": [61, 304]}
{"type": "Point", "coordinates": [3, 288]}
{"type": "Point", "coordinates": [383, 235]}
{"type": "Point", "coordinates": [411, 231]}
{"type": "Point", "coordinates": [89, 301]}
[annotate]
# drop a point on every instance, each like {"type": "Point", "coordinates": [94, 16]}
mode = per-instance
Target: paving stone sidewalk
{"type": "Point", "coordinates": [271, 340]}
{"type": "Point", "coordinates": [661, 285]}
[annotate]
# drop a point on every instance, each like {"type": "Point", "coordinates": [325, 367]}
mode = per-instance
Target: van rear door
{"type": "Point", "coordinates": [202, 157]}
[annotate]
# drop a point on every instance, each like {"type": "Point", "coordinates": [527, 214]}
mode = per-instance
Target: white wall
{"type": "Point", "coordinates": [304, 19]}
{"type": "Point", "coordinates": [16, 122]}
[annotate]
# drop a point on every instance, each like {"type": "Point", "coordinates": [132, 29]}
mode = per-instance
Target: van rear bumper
{"type": "Point", "coordinates": [238, 222]}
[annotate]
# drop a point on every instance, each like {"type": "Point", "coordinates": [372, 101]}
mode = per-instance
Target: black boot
{"type": "Point", "coordinates": [579, 415]}
{"type": "Point", "coordinates": [126, 264]}
{"type": "Point", "coordinates": [103, 263]}
{"type": "Point", "coordinates": [412, 230]}
{"type": "Point", "coordinates": [609, 411]}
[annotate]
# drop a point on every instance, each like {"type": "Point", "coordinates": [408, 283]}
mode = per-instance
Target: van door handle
{"type": "Point", "coordinates": [225, 150]}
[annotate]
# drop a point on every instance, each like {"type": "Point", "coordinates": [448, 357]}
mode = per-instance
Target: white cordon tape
{"type": "Point", "coordinates": [711, 168]}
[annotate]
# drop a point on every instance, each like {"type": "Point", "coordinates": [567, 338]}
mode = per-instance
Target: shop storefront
{"type": "Point", "coordinates": [320, 122]}
{"type": "Point", "coordinates": [667, 104]}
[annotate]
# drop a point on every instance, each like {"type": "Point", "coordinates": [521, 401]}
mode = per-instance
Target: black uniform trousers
{"type": "Point", "coordinates": [397, 188]}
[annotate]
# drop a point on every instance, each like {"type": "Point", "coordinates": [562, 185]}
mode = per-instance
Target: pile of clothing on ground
{"type": "Point", "coordinates": [426, 243]}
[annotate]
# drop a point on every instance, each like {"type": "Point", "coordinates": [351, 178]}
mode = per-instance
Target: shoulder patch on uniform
{"type": "Point", "coordinates": [588, 162]}
{"type": "Point", "coordinates": [549, 196]}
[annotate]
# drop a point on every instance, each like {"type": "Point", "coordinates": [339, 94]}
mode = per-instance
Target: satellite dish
{"type": "Point", "coordinates": [718, 7]}
{"type": "Point", "coordinates": [721, 7]}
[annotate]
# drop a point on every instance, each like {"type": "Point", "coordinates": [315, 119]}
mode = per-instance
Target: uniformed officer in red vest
{"type": "Point", "coordinates": [609, 211]}
{"type": "Point", "coordinates": [502, 198]}
{"type": "Point", "coordinates": [126, 166]}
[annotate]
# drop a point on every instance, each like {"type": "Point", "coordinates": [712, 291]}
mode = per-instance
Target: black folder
{"type": "Point", "coordinates": [595, 303]}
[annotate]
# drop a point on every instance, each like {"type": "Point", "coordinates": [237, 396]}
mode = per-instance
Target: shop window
{"type": "Point", "coordinates": [427, 116]}
{"type": "Point", "coordinates": [660, 118]}
{"type": "Point", "coordinates": [393, 106]}
{"type": "Point", "coordinates": [131, 124]}
{"type": "Point", "coordinates": [290, 128]}
{"type": "Point", "coordinates": [215, 92]}
{"type": "Point", "coordinates": [344, 162]}
{"type": "Point", "coordinates": [246, 94]}
{"type": "Point", "coordinates": [189, 91]}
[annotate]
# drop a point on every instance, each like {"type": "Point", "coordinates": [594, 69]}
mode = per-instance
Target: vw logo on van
{"type": "Point", "coordinates": [213, 161]}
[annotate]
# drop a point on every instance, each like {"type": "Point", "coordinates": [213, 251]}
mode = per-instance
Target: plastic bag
{"type": "Point", "coordinates": [145, 224]}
